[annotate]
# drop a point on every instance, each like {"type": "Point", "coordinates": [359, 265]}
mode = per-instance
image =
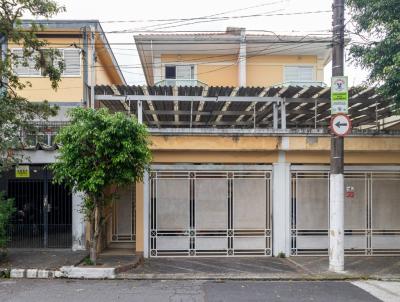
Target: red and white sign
{"type": "Point", "coordinates": [340, 124]}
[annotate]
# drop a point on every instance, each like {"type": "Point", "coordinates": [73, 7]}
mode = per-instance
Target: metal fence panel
{"type": "Point", "coordinates": [43, 217]}
{"type": "Point", "coordinates": [210, 213]}
{"type": "Point", "coordinates": [372, 208]}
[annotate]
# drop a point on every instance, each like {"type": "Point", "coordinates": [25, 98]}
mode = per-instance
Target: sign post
{"type": "Point", "coordinates": [339, 99]}
{"type": "Point", "coordinates": [340, 124]}
{"type": "Point", "coordinates": [339, 95]}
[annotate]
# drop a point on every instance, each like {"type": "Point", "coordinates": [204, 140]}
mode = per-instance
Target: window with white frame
{"type": "Point", "coordinates": [179, 72]}
{"type": "Point", "coordinates": [72, 63]}
{"type": "Point", "coordinates": [299, 73]}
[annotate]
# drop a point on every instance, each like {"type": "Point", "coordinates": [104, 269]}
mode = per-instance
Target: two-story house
{"type": "Point", "coordinates": [241, 151]}
{"type": "Point", "coordinates": [49, 215]}
{"type": "Point", "coordinates": [234, 58]}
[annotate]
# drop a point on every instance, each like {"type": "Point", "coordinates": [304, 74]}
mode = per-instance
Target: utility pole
{"type": "Point", "coordinates": [336, 200]}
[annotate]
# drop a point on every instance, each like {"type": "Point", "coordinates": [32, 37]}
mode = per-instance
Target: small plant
{"type": "Point", "coordinates": [6, 210]}
{"type": "Point", "coordinates": [88, 261]}
{"type": "Point", "coordinates": [281, 255]}
{"type": "Point", "coordinates": [5, 274]}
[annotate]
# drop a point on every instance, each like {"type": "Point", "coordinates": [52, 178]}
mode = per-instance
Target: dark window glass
{"type": "Point", "coordinates": [170, 72]}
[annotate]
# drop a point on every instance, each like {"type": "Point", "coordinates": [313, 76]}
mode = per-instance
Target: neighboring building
{"type": "Point", "coordinates": [241, 151]}
{"type": "Point", "coordinates": [234, 58]}
{"type": "Point", "coordinates": [48, 215]}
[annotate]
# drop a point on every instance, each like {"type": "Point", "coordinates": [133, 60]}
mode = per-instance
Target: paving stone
{"type": "Point", "coordinates": [31, 273]}
{"type": "Point", "coordinates": [17, 273]}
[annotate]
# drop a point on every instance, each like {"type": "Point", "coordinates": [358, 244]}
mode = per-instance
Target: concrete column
{"type": "Point", "coordinates": [336, 219]}
{"type": "Point", "coordinates": [283, 114]}
{"type": "Point", "coordinates": [281, 208]}
{"type": "Point", "coordinates": [78, 222]}
{"type": "Point", "coordinates": [242, 64]}
{"type": "Point", "coordinates": [139, 218]}
{"type": "Point", "coordinates": [158, 73]}
{"type": "Point", "coordinates": [275, 115]}
{"type": "Point", "coordinates": [140, 112]}
{"type": "Point", "coordinates": [146, 214]}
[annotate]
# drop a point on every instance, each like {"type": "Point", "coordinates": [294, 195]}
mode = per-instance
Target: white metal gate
{"type": "Point", "coordinates": [210, 212]}
{"type": "Point", "coordinates": [372, 211]}
{"type": "Point", "coordinates": [124, 213]}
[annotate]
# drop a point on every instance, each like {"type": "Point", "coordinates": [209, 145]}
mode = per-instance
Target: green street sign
{"type": "Point", "coordinates": [339, 95]}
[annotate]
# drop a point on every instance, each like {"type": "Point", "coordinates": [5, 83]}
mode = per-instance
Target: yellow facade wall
{"type": "Point", "coordinates": [264, 75]}
{"type": "Point", "coordinates": [218, 75]}
{"type": "Point", "coordinates": [261, 70]}
{"type": "Point", "coordinates": [262, 150]}
{"type": "Point", "coordinates": [139, 218]}
{"type": "Point", "coordinates": [71, 87]}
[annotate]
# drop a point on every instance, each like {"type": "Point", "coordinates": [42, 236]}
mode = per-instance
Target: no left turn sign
{"type": "Point", "coordinates": [340, 124]}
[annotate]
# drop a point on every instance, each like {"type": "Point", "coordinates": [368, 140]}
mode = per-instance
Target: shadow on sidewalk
{"type": "Point", "coordinates": [49, 259]}
{"type": "Point", "coordinates": [293, 268]}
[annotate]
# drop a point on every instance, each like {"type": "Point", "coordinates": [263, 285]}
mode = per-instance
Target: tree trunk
{"type": "Point", "coordinates": [96, 229]}
{"type": "Point", "coordinates": [93, 254]}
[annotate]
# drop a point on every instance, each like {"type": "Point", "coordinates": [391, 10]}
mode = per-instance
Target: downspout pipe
{"type": "Point", "coordinates": [85, 68]}
{"type": "Point", "coordinates": [93, 66]}
{"type": "Point", "coordinates": [4, 47]}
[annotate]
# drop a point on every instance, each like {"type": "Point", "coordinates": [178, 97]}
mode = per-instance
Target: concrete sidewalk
{"type": "Point", "coordinates": [68, 264]}
{"type": "Point", "coordinates": [49, 259]}
{"type": "Point", "coordinates": [265, 268]}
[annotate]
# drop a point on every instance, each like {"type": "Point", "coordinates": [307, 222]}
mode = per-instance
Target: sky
{"type": "Point", "coordinates": [107, 12]}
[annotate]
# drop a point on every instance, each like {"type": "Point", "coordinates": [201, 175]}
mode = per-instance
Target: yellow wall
{"type": "Point", "coordinates": [70, 88]}
{"type": "Point", "coordinates": [139, 218]}
{"type": "Point", "coordinates": [269, 70]}
{"type": "Point", "coordinates": [262, 150]}
{"type": "Point", "coordinates": [222, 70]}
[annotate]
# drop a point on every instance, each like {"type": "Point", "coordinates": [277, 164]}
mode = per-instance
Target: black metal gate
{"type": "Point", "coordinates": [43, 217]}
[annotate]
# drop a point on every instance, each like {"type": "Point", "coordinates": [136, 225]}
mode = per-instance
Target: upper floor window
{"type": "Point", "coordinates": [72, 63]}
{"type": "Point", "coordinates": [299, 74]}
{"type": "Point", "coordinates": [179, 72]}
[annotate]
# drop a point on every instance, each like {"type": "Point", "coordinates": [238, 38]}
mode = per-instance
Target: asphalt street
{"type": "Point", "coordinates": [187, 291]}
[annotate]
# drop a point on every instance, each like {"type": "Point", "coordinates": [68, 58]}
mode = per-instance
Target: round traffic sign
{"type": "Point", "coordinates": [340, 124]}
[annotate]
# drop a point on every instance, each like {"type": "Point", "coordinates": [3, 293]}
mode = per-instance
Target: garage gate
{"type": "Point", "coordinates": [43, 210]}
{"type": "Point", "coordinates": [372, 211]}
{"type": "Point", "coordinates": [210, 212]}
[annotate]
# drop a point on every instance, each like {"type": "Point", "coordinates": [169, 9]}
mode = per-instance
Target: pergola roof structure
{"type": "Point", "coordinates": [241, 107]}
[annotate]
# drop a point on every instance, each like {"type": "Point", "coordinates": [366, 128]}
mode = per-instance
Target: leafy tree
{"type": "Point", "coordinates": [100, 151]}
{"type": "Point", "coordinates": [377, 22]}
{"type": "Point", "coordinates": [6, 210]}
{"type": "Point", "coordinates": [16, 112]}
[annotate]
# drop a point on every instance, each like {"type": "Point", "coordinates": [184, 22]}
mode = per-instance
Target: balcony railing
{"type": "Point", "coordinates": [301, 84]}
{"type": "Point", "coordinates": [180, 82]}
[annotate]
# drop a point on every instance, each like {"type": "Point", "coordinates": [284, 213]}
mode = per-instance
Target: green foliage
{"type": "Point", "coordinates": [377, 22]}
{"type": "Point", "coordinates": [16, 112]}
{"type": "Point", "coordinates": [6, 210]}
{"type": "Point", "coordinates": [100, 151]}
{"type": "Point", "coordinates": [281, 255]}
{"type": "Point", "coordinates": [88, 261]}
{"type": "Point", "coordinates": [6, 273]}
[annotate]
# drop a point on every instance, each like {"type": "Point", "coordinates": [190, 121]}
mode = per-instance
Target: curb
{"type": "Point", "coordinates": [73, 272]}
{"type": "Point", "coordinates": [253, 277]}
{"type": "Point", "coordinates": [69, 272]}
{"type": "Point", "coordinates": [34, 273]}
{"type": "Point", "coordinates": [126, 267]}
